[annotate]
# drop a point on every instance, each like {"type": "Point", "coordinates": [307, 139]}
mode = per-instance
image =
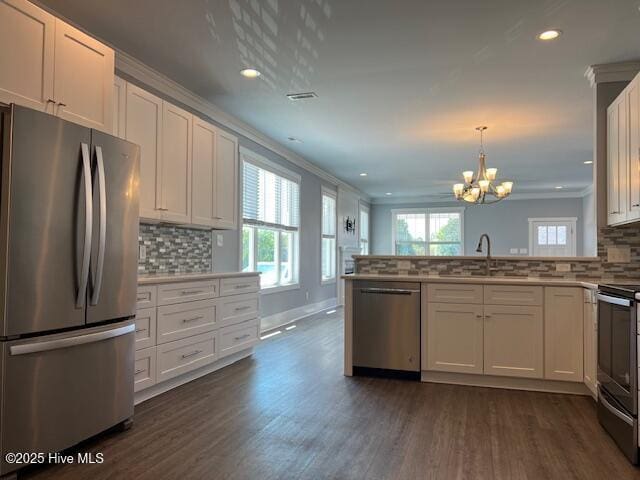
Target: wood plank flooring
{"type": "Point", "coordinates": [289, 413]}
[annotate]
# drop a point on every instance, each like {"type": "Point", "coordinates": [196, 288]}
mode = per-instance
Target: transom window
{"type": "Point", "coordinates": [432, 231]}
{"type": "Point", "coordinates": [270, 212]}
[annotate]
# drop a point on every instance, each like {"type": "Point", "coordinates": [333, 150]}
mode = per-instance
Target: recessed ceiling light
{"type": "Point", "coordinates": [388, 193]}
{"type": "Point", "coordinates": [588, 162]}
{"type": "Point", "coordinates": [363, 174]}
{"type": "Point", "coordinates": [559, 187]}
{"type": "Point", "coordinates": [549, 35]}
{"type": "Point", "coordinates": [250, 73]}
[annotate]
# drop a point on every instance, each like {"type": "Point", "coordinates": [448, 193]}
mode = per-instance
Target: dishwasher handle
{"type": "Point", "coordinates": [389, 291]}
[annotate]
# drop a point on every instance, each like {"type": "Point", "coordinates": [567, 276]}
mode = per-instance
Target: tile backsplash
{"type": "Point", "coordinates": [626, 237]}
{"type": "Point", "coordinates": [171, 249]}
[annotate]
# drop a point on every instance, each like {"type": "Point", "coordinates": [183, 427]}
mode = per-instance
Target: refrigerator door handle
{"type": "Point", "coordinates": [97, 283]}
{"type": "Point", "coordinates": [88, 226]}
{"type": "Point", "coordinates": [59, 343]}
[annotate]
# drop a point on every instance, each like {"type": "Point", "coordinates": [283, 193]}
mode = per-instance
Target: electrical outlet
{"type": "Point", "coordinates": [563, 267]}
{"type": "Point", "coordinates": [404, 265]}
{"type": "Point", "coordinates": [513, 251]}
{"type": "Point", "coordinates": [524, 251]}
{"type": "Point", "coordinates": [220, 240]}
{"type": "Point", "coordinates": [142, 252]}
{"type": "Point", "coordinates": [619, 254]}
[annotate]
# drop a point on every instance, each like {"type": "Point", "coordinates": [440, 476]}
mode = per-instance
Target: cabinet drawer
{"type": "Point", "coordinates": [144, 373]}
{"type": "Point", "coordinates": [187, 291]}
{"type": "Point", "coordinates": [182, 356]}
{"type": "Point", "coordinates": [512, 295]}
{"type": "Point", "coordinates": [236, 309]}
{"type": "Point", "coordinates": [145, 328]}
{"type": "Point", "coordinates": [146, 297]}
{"type": "Point", "coordinates": [454, 293]}
{"type": "Point", "coordinates": [238, 337]}
{"type": "Point", "coordinates": [235, 286]}
{"type": "Point", "coordinates": [186, 319]}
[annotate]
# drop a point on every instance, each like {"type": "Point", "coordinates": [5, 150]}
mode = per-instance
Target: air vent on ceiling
{"type": "Point", "coordinates": [301, 96]}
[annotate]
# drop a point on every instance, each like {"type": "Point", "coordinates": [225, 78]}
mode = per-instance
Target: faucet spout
{"type": "Point", "coordinates": [488, 268]}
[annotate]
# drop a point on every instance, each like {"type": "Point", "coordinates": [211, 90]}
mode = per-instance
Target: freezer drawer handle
{"type": "Point", "coordinates": [36, 347]}
{"type": "Point", "coordinates": [195, 352]}
{"type": "Point", "coordinates": [102, 190]}
{"type": "Point", "coordinates": [192, 319]}
{"type": "Point", "coordinates": [625, 418]}
{"type": "Point", "coordinates": [388, 291]}
{"type": "Point", "coordinates": [614, 300]}
{"type": "Point", "coordinates": [88, 226]}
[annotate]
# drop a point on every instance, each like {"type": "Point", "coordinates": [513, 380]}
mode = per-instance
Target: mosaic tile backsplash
{"type": "Point", "coordinates": [600, 268]}
{"type": "Point", "coordinates": [174, 250]}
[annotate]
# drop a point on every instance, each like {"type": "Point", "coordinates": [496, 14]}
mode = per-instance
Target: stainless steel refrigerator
{"type": "Point", "coordinates": [68, 279]}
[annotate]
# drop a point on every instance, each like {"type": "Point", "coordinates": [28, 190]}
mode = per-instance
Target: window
{"type": "Point", "coordinates": [552, 237]}
{"type": "Point", "coordinates": [270, 231]}
{"type": "Point", "coordinates": [328, 249]}
{"type": "Point", "coordinates": [434, 231]}
{"type": "Point", "coordinates": [364, 230]}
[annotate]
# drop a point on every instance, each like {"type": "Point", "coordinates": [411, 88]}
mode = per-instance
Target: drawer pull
{"type": "Point", "coordinates": [191, 292]}
{"type": "Point", "coordinates": [240, 309]}
{"type": "Point", "coordinates": [195, 352]}
{"type": "Point", "coordinates": [193, 319]}
{"type": "Point", "coordinates": [140, 330]}
{"type": "Point", "coordinates": [140, 299]}
{"type": "Point", "coordinates": [244, 285]}
{"type": "Point", "coordinates": [242, 337]}
{"type": "Point", "coordinates": [138, 371]}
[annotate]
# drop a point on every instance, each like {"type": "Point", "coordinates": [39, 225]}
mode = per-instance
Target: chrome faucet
{"type": "Point", "coordinates": [488, 269]}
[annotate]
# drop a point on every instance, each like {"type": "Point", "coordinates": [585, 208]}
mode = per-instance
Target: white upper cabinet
{"type": "Point", "coordinates": [143, 126]}
{"type": "Point", "coordinates": [119, 107]}
{"type": "Point", "coordinates": [176, 164]}
{"type": "Point", "coordinates": [48, 65]}
{"type": "Point", "coordinates": [83, 79]}
{"type": "Point", "coordinates": [27, 38]}
{"type": "Point", "coordinates": [633, 142]}
{"type": "Point", "coordinates": [226, 181]}
{"type": "Point", "coordinates": [203, 177]}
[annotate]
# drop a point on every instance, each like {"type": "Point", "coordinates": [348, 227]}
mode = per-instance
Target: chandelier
{"type": "Point", "coordinates": [481, 189]}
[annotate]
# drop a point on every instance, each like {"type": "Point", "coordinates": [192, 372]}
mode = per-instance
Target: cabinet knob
{"type": "Point", "coordinates": [487, 316]}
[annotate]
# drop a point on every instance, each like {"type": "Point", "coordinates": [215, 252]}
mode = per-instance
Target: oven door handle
{"type": "Point", "coordinates": [614, 300]}
{"type": "Point", "coordinates": [622, 416]}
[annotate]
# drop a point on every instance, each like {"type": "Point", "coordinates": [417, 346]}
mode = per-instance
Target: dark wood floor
{"type": "Point", "coordinates": [288, 413]}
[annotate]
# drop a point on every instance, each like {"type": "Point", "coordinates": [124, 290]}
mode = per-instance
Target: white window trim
{"type": "Point", "coordinates": [333, 194]}
{"type": "Point", "coordinates": [427, 211]}
{"type": "Point", "coordinates": [573, 221]}
{"type": "Point", "coordinates": [260, 161]}
{"type": "Point", "coordinates": [364, 207]}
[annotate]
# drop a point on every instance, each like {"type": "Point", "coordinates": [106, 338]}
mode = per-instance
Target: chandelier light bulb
{"type": "Point", "coordinates": [492, 173]}
{"type": "Point", "coordinates": [484, 185]}
{"type": "Point", "coordinates": [468, 176]}
{"type": "Point", "coordinates": [458, 188]}
{"type": "Point", "coordinates": [508, 186]}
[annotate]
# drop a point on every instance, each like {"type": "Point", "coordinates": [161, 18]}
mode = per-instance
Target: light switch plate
{"type": "Point", "coordinates": [619, 254]}
{"type": "Point", "coordinates": [563, 267]}
{"type": "Point", "coordinates": [513, 251]}
{"type": "Point", "coordinates": [142, 252]}
{"type": "Point", "coordinates": [219, 240]}
{"type": "Point", "coordinates": [524, 251]}
{"type": "Point", "coordinates": [404, 265]}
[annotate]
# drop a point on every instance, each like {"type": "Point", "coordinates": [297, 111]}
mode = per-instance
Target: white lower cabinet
{"type": "Point", "coordinates": [590, 326]}
{"type": "Point", "coordinates": [454, 337]}
{"type": "Point", "coordinates": [184, 326]}
{"type": "Point", "coordinates": [513, 341]}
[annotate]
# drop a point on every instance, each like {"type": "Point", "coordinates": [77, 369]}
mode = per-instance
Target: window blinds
{"type": "Point", "coordinates": [269, 199]}
{"type": "Point", "coordinates": [328, 215]}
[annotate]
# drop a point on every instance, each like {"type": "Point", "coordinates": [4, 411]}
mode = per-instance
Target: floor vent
{"type": "Point", "coordinates": [294, 97]}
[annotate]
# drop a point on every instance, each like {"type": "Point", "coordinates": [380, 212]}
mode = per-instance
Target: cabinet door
{"type": "Point", "coordinates": [119, 107]}
{"type": "Point", "coordinates": [26, 55]}
{"type": "Point", "coordinates": [590, 342]}
{"type": "Point", "coordinates": [226, 181]}
{"type": "Point", "coordinates": [513, 341]}
{"type": "Point", "coordinates": [143, 126]}
{"type": "Point", "coordinates": [83, 79]}
{"type": "Point", "coordinates": [633, 142]}
{"type": "Point", "coordinates": [563, 334]}
{"type": "Point", "coordinates": [454, 338]}
{"type": "Point", "coordinates": [176, 164]}
{"type": "Point", "coordinates": [202, 179]}
{"type": "Point", "coordinates": [617, 164]}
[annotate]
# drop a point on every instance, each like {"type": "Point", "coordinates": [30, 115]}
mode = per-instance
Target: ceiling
{"type": "Point", "coordinates": [401, 84]}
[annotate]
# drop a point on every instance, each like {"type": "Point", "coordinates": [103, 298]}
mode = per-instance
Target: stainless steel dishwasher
{"type": "Point", "coordinates": [386, 329]}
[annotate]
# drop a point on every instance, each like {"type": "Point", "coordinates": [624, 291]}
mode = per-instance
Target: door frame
{"type": "Point", "coordinates": [572, 221]}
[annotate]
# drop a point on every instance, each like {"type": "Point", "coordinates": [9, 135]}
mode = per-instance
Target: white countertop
{"type": "Point", "coordinates": [153, 279]}
{"type": "Point", "coordinates": [496, 280]}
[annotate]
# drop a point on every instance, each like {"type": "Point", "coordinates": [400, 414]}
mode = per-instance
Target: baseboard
{"type": "Point", "coordinates": [509, 383]}
{"type": "Point", "coordinates": [281, 319]}
{"type": "Point", "coordinates": [155, 390]}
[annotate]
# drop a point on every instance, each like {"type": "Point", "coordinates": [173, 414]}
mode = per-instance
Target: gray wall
{"type": "Point", "coordinates": [506, 222]}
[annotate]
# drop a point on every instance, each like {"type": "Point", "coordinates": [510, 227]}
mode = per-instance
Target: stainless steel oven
{"type": "Point", "coordinates": [618, 365]}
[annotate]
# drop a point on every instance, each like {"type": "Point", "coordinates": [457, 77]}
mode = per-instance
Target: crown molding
{"type": "Point", "coordinates": [612, 72]}
{"type": "Point", "coordinates": [427, 199]}
{"type": "Point", "coordinates": [134, 68]}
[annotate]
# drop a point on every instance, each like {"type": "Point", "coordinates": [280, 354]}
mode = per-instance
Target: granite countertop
{"type": "Point", "coordinates": [152, 279]}
{"type": "Point", "coordinates": [591, 283]}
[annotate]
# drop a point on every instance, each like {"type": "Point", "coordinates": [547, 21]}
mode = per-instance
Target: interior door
{"type": "Point", "coordinates": [43, 222]}
{"type": "Point", "coordinates": [26, 59]}
{"type": "Point", "coordinates": [553, 238]}
{"type": "Point", "coordinates": [114, 255]}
